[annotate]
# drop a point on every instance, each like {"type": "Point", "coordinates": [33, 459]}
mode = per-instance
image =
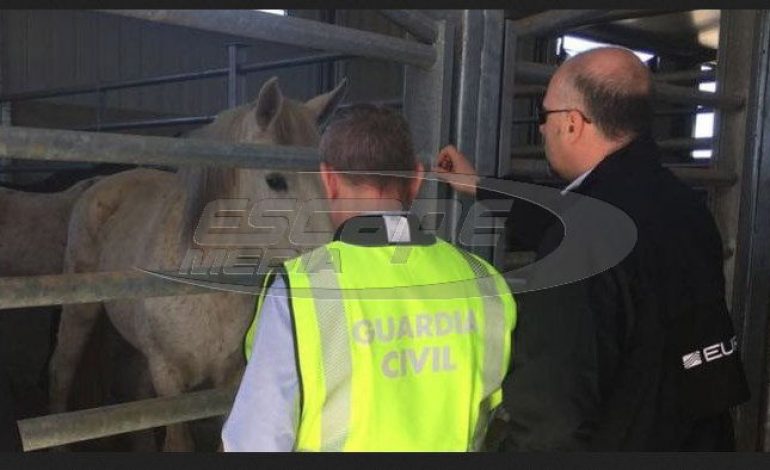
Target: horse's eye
{"type": "Point", "coordinates": [276, 182]}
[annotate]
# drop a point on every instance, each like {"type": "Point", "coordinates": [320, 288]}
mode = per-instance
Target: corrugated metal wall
{"type": "Point", "coordinates": [371, 80]}
{"type": "Point", "coordinates": [51, 49]}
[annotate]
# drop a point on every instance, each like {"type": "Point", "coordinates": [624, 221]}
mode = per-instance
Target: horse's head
{"type": "Point", "coordinates": [270, 119]}
{"type": "Point", "coordinates": [273, 118]}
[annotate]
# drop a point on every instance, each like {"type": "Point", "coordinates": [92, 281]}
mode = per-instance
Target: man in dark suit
{"type": "Point", "coordinates": [642, 356]}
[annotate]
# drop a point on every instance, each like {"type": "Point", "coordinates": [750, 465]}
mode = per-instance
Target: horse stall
{"type": "Point", "coordinates": [468, 77]}
{"type": "Point", "coordinates": [425, 68]}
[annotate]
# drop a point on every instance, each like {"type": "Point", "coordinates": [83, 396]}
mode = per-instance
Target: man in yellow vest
{"type": "Point", "coordinates": [386, 339]}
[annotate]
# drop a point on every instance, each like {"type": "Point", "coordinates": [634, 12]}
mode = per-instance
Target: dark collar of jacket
{"type": "Point", "coordinates": [639, 157]}
{"type": "Point", "coordinates": [370, 230]}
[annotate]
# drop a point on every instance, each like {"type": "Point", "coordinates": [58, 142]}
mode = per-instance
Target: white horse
{"type": "Point", "coordinates": [146, 218]}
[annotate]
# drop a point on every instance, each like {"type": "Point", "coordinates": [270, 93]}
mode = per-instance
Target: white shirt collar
{"type": "Point", "coordinates": [396, 224]}
{"type": "Point", "coordinates": [576, 182]}
{"type": "Point", "coordinates": [398, 228]}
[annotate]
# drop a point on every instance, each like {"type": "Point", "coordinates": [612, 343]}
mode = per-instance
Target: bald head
{"type": "Point", "coordinates": [614, 88]}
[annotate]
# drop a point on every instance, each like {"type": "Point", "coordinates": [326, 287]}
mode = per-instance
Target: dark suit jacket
{"type": "Point", "coordinates": [9, 433]}
{"type": "Point", "coordinates": [598, 364]}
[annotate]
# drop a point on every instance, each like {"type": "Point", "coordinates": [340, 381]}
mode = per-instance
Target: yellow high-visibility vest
{"type": "Point", "coordinates": [400, 347]}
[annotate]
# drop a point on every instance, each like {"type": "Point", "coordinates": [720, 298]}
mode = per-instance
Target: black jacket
{"type": "Point", "coordinates": [9, 432]}
{"type": "Point", "coordinates": [598, 364]}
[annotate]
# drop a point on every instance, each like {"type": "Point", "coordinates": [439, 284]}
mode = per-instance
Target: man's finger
{"type": "Point", "coordinates": [446, 164]}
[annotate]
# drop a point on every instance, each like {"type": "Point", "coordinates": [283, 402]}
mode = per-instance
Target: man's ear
{"type": "Point", "coordinates": [575, 126]}
{"type": "Point", "coordinates": [416, 182]}
{"type": "Point", "coordinates": [330, 181]}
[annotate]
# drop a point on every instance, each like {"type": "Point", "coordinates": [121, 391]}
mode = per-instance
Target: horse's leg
{"type": "Point", "coordinates": [133, 382]}
{"type": "Point", "coordinates": [168, 381]}
{"type": "Point", "coordinates": [75, 327]}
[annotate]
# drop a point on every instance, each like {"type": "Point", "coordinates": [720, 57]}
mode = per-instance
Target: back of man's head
{"type": "Point", "coordinates": [614, 88]}
{"type": "Point", "coordinates": [369, 138]}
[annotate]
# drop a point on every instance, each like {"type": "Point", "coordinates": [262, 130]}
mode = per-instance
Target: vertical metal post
{"type": "Point", "coordinates": [743, 146]}
{"type": "Point", "coordinates": [737, 51]}
{"type": "Point", "coordinates": [427, 94]}
{"type": "Point", "coordinates": [234, 79]}
{"type": "Point", "coordinates": [100, 102]}
{"type": "Point", "coordinates": [468, 84]}
{"type": "Point", "coordinates": [5, 107]}
{"type": "Point", "coordinates": [507, 95]}
{"type": "Point", "coordinates": [326, 71]}
{"type": "Point", "coordinates": [478, 101]}
{"type": "Point", "coordinates": [5, 120]}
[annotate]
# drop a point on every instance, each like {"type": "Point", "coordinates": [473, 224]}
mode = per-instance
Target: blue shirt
{"type": "Point", "coordinates": [263, 416]}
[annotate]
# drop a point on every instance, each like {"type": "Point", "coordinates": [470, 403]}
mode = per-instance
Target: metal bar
{"type": "Point", "coordinates": [396, 104]}
{"type": "Point", "coordinates": [100, 105]}
{"type": "Point", "coordinates": [59, 289]}
{"type": "Point", "coordinates": [308, 60]}
{"type": "Point", "coordinates": [654, 42]}
{"type": "Point", "coordinates": [743, 140]}
{"type": "Point", "coordinates": [617, 15]}
{"type": "Point", "coordinates": [557, 21]}
{"type": "Point", "coordinates": [149, 123]}
{"type": "Point", "coordinates": [173, 78]}
{"type": "Point", "coordinates": [293, 31]}
{"type": "Point", "coordinates": [232, 75]}
{"type": "Point", "coordinates": [427, 97]}
{"type": "Point", "coordinates": [533, 72]}
{"type": "Point", "coordinates": [509, 90]}
{"type": "Point", "coordinates": [687, 76]}
{"type": "Point", "coordinates": [528, 90]}
{"type": "Point", "coordinates": [685, 143]}
{"type": "Point", "coordinates": [666, 113]}
{"type": "Point", "coordinates": [72, 146]}
{"type": "Point", "coordinates": [45, 168]}
{"type": "Point", "coordinates": [678, 94]}
{"type": "Point", "coordinates": [554, 20]}
{"type": "Point", "coordinates": [234, 90]}
{"type": "Point", "coordinates": [116, 85]}
{"type": "Point", "coordinates": [541, 73]}
{"type": "Point", "coordinates": [422, 27]}
{"type": "Point", "coordinates": [478, 104]}
{"type": "Point", "coordinates": [694, 175]}
{"type": "Point", "coordinates": [76, 426]}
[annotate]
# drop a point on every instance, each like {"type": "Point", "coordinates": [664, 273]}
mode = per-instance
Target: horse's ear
{"type": "Point", "coordinates": [269, 103]}
{"type": "Point", "coordinates": [324, 105]}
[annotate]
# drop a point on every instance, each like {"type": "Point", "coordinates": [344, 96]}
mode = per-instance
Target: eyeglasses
{"type": "Point", "coordinates": [542, 114]}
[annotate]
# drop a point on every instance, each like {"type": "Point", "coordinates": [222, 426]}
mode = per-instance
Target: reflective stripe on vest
{"type": "Point", "coordinates": [399, 347]}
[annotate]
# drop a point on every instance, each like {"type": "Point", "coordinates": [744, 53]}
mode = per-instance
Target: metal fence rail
{"type": "Point", "coordinates": [76, 426]}
{"type": "Point", "coordinates": [73, 146]}
{"type": "Point", "coordinates": [293, 31]}
{"type": "Point", "coordinates": [533, 72]}
{"type": "Point", "coordinates": [693, 175]}
{"type": "Point", "coordinates": [415, 23]}
{"type": "Point", "coordinates": [555, 21]}
{"type": "Point", "coordinates": [173, 78]}
{"type": "Point", "coordinates": [73, 288]}
{"type": "Point", "coordinates": [700, 143]}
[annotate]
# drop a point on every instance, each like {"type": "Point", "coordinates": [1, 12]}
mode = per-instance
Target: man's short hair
{"type": "Point", "coordinates": [369, 138]}
{"type": "Point", "coordinates": [617, 109]}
